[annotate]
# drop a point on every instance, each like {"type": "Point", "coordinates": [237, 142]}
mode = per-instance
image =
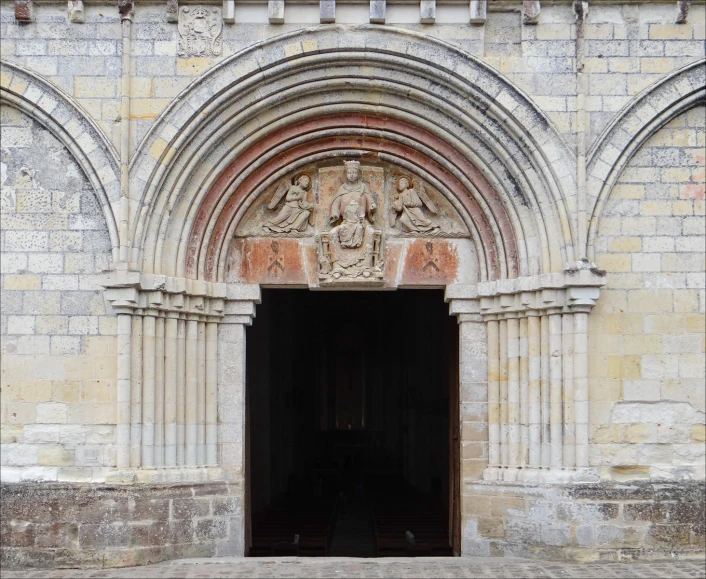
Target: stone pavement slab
{"type": "Point", "coordinates": [331, 567]}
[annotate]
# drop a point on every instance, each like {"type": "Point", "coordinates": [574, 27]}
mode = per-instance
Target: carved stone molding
{"type": "Point", "coordinates": [76, 11]}
{"type": "Point", "coordinates": [200, 30]}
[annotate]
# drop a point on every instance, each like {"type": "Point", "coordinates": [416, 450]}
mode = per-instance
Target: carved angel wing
{"type": "Point", "coordinates": [277, 197]}
{"type": "Point", "coordinates": [422, 192]}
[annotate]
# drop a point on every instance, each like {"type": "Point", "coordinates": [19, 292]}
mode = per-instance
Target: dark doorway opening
{"type": "Point", "coordinates": [352, 409]}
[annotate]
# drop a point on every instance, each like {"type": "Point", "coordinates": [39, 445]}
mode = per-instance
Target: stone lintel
{"type": "Point", "coordinates": [530, 11]}
{"type": "Point", "coordinates": [427, 11]}
{"type": "Point", "coordinates": [24, 11]}
{"type": "Point", "coordinates": [172, 11]}
{"type": "Point", "coordinates": [229, 11]}
{"type": "Point", "coordinates": [76, 11]}
{"type": "Point", "coordinates": [479, 11]}
{"type": "Point", "coordinates": [327, 11]}
{"type": "Point", "coordinates": [275, 11]}
{"type": "Point", "coordinates": [378, 11]}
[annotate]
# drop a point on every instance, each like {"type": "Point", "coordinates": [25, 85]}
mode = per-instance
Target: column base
{"type": "Point", "coordinates": [540, 475]}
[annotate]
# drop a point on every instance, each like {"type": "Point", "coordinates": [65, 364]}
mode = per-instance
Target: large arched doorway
{"type": "Point", "coordinates": [353, 438]}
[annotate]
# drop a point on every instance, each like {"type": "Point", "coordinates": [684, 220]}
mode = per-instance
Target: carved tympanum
{"type": "Point", "coordinates": [199, 31]}
{"type": "Point", "coordinates": [296, 213]}
{"type": "Point", "coordinates": [407, 208]}
{"type": "Point", "coordinates": [352, 249]}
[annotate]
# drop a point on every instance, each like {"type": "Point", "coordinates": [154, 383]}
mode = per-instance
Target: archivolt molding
{"type": "Point", "coordinates": [55, 110]}
{"type": "Point", "coordinates": [635, 124]}
{"type": "Point", "coordinates": [316, 93]}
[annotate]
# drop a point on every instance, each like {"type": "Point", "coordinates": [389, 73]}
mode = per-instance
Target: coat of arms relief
{"type": "Point", "coordinates": [348, 210]}
{"type": "Point", "coordinates": [199, 31]}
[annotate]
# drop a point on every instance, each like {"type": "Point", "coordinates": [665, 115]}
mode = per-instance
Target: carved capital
{"type": "Point", "coordinates": [327, 11]}
{"type": "Point", "coordinates": [172, 10]}
{"type": "Point", "coordinates": [275, 11]}
{"type": "Point", "coordinates": [378, 11]}
{"type": "Point", "coordinates": [427, 11]}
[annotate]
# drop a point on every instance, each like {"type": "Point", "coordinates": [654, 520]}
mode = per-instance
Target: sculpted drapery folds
{"type": "Point", "coordinates": [352, 248]}
{"type": "Point", "coordinates": [407, 208]}
{"type": "Point", "coordinates": [296, 212]}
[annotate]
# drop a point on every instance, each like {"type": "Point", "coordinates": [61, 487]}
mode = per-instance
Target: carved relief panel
{"type": "Point", "coordinates": [199, 31]}
{"type": "Point", "coordinates": [348, 223]}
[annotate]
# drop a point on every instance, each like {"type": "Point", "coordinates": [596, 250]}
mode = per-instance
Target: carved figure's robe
{"type": "Point", "coordinates": [352, 240]}
{"type": "Point", "coordinates": [411, 216]}
{"type": "Point", "coordinates": [294, 214]}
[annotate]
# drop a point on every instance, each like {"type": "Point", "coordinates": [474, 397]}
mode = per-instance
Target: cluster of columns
{"type": "Point", "coordinates": [181, 373]}
{"type": "Point", "coordinates": [537, 392]}
{"type": "Point", "coordinates": [534, 365]}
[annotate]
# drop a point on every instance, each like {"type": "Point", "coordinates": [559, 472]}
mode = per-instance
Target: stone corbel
{"type": "Point", "coordinates": [24, 11]}
{"type": "Point", "coordinates": [530, 11]}
{"type": "Point", "coordinates": [126, 9]}
{"type": "Point", "coordinates": [427, 11]}
{"type": "Point", "coordinates": [275, 11]}
{"type": "Point", "coordinates": [378, 11]}
{"type": "Point", "coordinates": [479, 11]}
{"type": "Point", "coordinates": [229, 11]}
{"type": "Point", "coordinates": [327, 11]}
{"type": "Point", "coordinates": [76, 12]}
{"type": "Point", "coordinates": [172, 10]}
{"type": "Point", "coordinates": [683, 11]}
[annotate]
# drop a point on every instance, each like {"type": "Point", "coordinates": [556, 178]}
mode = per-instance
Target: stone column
{"type": "Point", "coordinates": [473, 390]}
{"type": "Point", "coordinates": [148, 386]}
{"type": "Point", "coordinates": [545, 362]}
{"type": "Point", "coordinates": [201, 397]}
{"type": "Point", "coordinates": [524, 393]}
{"type": "Point", "coordinates": [493, 394]}
{"type": "Point", "coordinates": [170, 391]}
{"type": "Point", "coordinates": [123, 394]}
{"type": "Point", "coordinates": [211, 393]}
{"type": "Point", "coordinates": [534, 371]}
{"type": "Point", "coordinates": [159, 392]}
{"type": "Point", "coordinates": [191, 416]}
{"type": "Point", "coordinates": [136, 393]}
{"type": "Point", "coordinates": [181, 393]}
{"type": "Point", "coordinates": [567, 341]}
{"type": "Point", "coordinates": [581, 387]}
{"type": "Point", "coordinates": [504, 440]}
{"type": "Point", "coordinates": [513, 391]}
{"type": "Point", "coordinates": [555, 391]}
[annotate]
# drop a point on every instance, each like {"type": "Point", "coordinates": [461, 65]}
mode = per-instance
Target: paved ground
{"type": "Point", "coordinates": [346, 567]}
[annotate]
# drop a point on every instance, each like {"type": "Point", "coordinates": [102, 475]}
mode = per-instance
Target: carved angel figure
{"type": "Point", "coordinates": [199, 31]}
{"type": "Point", "coordinates": [407, 203]}
{"type": "Point", "coordinates": [296, 211]}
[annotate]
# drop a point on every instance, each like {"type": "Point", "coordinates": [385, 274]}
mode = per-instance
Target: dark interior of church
{"type": "Point", "coordinates": [351, 445]}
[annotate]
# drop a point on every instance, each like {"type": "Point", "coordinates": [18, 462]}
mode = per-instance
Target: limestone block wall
{"type": "Point", "coordinates": [58, 342]}
{"type": "Point", "coordinates": [646, 335]}
{"type": "Point", "coordinates": [628, 46]}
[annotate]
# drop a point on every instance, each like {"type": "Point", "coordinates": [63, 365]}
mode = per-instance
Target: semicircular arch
{"type": "Point", "coordinates": [60, 115]}
{"type": "Point", "coordinates": [460, 123]}
{"type": "Point", "coordinates": [631, 128]}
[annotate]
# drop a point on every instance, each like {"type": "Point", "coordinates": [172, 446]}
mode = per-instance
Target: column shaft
{"type": "Point", "coordinates": [581, 387]}
{"type": "Point", "coordinates": [136, 393]}
{"type": "Point", "coordinates": [170, 391]}
{"type": "Point", "coordinates": [123, 394]}
{"type": "Point", "coordinates": [192, 362]}
{"type": "Point", "coordinates": [211, 393]}
{"type": "Point", "coordinates": [493, 394]}
{"type": "Point", "coordinates": [524, 393]}
{"type": "Point", "coordinates": [567, 341]}
{"type": "Point", "coordinates": [555, 387]}
{"type": "Point", "coordinates": [535, 399]}
{"type": "Point", "coordinates": [513, 389]}
{"type": "Point", "coordinates": [545, 359]}
{"type": "Point", "coordinates": [181, 392]}
{"type": "Point", "coordinates": [201, 397]}
{"type": "Point", "coordinates": [159, 392]}
{"type": "Point", "coordinates": [148, 385]}
{"type": "Point", "coordinates": [504, 439]}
